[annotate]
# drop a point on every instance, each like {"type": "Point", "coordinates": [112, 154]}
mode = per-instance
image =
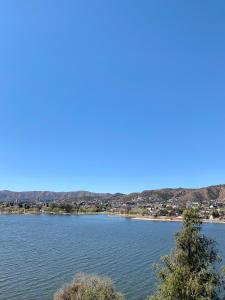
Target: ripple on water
{"type": "Point", "coordinates": [41, 253]}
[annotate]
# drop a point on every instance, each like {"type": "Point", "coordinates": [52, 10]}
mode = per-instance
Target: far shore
{"type": "Point", "coordinates": [174, 219]}
{"type": "Point", "coordinates": [133, 217]}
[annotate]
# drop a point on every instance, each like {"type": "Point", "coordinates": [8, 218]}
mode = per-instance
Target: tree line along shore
{"type": "Point", "coordinates": [213, 215]}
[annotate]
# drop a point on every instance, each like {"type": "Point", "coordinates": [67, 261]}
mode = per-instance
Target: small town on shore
{"type": "Point", "coordinates": [165, 204]}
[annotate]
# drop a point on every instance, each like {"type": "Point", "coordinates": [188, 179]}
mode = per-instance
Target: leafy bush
{"type": "Point", "coordinates": [88, 287]}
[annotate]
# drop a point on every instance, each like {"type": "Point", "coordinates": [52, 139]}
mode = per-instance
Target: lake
{"type": "Point", "coordinates": [38, 254]}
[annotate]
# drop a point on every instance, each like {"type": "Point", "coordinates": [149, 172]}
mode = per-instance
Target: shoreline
{"type": "Point", "coordinates": [174, 219]}
{"type": "Point", "coordinates": [133, 217]}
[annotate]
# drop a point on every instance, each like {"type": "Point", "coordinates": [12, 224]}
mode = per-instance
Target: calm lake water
{"type": "Point", "coordinates": [38, 254]}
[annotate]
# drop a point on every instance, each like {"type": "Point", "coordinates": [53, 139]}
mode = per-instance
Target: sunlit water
{"type": "Point", "coordinates": [38, 254]}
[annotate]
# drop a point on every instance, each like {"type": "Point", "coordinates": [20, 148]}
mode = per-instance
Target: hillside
{"type": "Point", "coordinates": [179, 195]}
{"type": "Point", "coordinates": [48, 196]}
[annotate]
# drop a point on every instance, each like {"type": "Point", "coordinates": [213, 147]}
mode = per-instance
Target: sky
{"type": "Point", "coordinates": [111, 96]}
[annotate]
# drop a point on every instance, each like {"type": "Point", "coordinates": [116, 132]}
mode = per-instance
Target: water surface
{"type": "Point", "coordinates": [38, 254]}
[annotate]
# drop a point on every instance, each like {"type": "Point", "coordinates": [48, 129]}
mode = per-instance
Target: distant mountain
{"type": "Point", "coordinates": [47, 196]}
{"type": "Point", "coordinates": [181, 195]}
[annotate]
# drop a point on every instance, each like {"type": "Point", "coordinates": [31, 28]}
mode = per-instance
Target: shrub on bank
{"type": "Point", "coordinates": [88, 287]}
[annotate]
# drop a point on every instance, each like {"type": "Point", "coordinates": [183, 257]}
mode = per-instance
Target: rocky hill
{"type": "Point", "coordinates": [47, 196]}
{"type": "Point", "coordinates": [179, 195]}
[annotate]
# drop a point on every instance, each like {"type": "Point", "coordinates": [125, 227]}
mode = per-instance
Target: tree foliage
{"type": "Point", "coordinates": [88, 287]}
{"type": "Point", "coordinates": [189, 272]}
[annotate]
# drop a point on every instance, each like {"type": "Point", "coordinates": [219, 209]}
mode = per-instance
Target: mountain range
{"type": "Point", "coordinates": [211, 193]}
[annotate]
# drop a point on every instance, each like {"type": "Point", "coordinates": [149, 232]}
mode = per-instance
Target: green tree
{"type": "Point", "coordinates": [215, 214]}
{"type": "Point", "coordinates": [189, 272]}
{"type": "Point", "coordinates": [88, 287]}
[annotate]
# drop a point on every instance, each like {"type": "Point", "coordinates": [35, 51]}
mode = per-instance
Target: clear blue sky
{"type": "Point", "coordinates": [111, 95]}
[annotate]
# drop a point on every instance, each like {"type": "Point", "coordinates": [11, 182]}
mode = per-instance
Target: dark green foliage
{"type": "Point", "coordinates": [89, 287]}
{"type": "Point", "coordinates": [215, 214]}
{"type": "Point", "coordinates": [189, 272]}
{"type": "Point", "coordinates": [67, 207]}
